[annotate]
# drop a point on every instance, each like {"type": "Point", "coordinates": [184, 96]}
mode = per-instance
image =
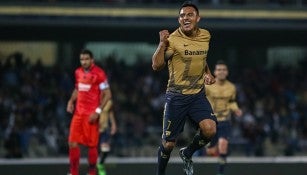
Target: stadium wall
{"type": "Point", "coordinates": [146, 166]}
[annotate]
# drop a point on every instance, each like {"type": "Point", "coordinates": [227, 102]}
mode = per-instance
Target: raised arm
{"type": "Point", "coordinates": [158, 58]}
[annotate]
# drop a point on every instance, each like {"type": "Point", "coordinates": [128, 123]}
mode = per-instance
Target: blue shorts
{"type": "Point", "coordinates": [223, 131]}
{"type": "Point", "coordinates": [105, 136]}
{"type": "Point", "coordinates": [178, 108]}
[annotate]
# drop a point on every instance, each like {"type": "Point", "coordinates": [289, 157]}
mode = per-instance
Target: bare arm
{"type": "Point", "coordinates": [71, 101]}
{"type": "Point", "coordinates": [233, 105]}
{"type": "Point", "coordinates": [209, 78]}
{"type": "Point", "coordinates": [158, 57]}
{"type": "Point", "coordinates": [105, 96]}
{"type": "Point", "coordinates": [113, 123]}
{"type": "Point", "coordinates": [235, 109]}
{"type": "Point", "coordinates": [207, 70]}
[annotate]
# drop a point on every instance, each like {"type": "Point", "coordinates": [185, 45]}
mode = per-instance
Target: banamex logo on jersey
{"type": "Point", "coordinates": [196, 52]}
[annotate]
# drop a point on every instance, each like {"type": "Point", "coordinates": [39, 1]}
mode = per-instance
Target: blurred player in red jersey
{"type": "Point", "coordinates": [91, 94]}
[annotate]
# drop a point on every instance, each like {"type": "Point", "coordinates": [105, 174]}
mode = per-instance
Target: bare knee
{"type": "Point", "coordinates": [168, 145]}
{"type": "Point", "coordinates": [212, 151]}
{"type": "Point", "coordinates": [223, 146]}
{"type": "Point", "coordinates": [73, 144]}
{"type": "Point", "coordinates": [208, 128]}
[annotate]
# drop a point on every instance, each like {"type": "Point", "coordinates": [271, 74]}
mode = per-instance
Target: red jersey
{"type": "Point", "coordinates": [89, 84]}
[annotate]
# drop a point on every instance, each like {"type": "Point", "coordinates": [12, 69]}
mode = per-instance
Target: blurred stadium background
{"type": "Point", "coordinates": [264, 43]}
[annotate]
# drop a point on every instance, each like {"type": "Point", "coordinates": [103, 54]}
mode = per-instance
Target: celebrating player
{"type": "Point", "coordinates": [185, 52]}
{"type": "Point", "coordinates": [91, 94]}
{"type": "Point", "coordinates": [222, 96]}
{"type": "Point", "coordinates": [107, 128]}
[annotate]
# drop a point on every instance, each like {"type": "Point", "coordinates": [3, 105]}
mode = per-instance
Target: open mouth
{"type": "Point", "coordinates": [187, 24]}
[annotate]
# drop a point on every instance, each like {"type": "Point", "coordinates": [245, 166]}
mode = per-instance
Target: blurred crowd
{"type": "Point", "coordinates": [34, 122]}
{"type": "Point", "coordinates": [33, 98]}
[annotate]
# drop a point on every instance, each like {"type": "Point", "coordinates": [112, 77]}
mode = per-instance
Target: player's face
{"type": "Point", "coordinates": [188, 19]}
{"type": "Point", "coordinates": [86, 61]}
{"type": "Point", "coordinates": [221, 71]}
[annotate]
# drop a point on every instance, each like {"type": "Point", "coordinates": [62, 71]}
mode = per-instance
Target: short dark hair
{"type": "Point", "coordinates": [219, 62]}
{"type": "Point", "coordinates": [88, 52]}
{"type": "Point", "coordinates": [189, 4]}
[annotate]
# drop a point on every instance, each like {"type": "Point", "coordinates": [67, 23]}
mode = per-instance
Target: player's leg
{"type": "Point", "coordinates": [105, 135]}
{"type": "Point", "coordinates": [202, 138]}
{"type": "Point", "coordinates": [212, 151]}
{"type": "Point", "coordinates": [91, 138]}
{"type": "Point", "coordinates": [222, 148]}
{"type": "Point", "coordinates": [104, 151]}
{"type": "Point", "coordinates": [73, 140]}
{"type": "Point", "coordinates": [164, 153]}
{"type": "Point", "coordinates": [224, 130]}
{"type": "Point", "coordinates": [212, 147]}
{"type": "Point", "coordinates": [92, 159]}
{"type": "Point", "coordinates": [173, 122]}
{"type": "Point", "coordinates": [201, 113]}
{"type": "Point", "coordinates": [74, 158]}
{"type": "Point", "coordinates": [207, 131]}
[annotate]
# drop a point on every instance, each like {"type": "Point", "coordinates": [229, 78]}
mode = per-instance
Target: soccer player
{"type": "Point", "coordinates": [222, 96]}
{"type": "Point", "coordinates": [91, 94]}
{"type": "Point", "coordinates": [185, 52]}
{"type": "Point", "coordinates": [107, 128]}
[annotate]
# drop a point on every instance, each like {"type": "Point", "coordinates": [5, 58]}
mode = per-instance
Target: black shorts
{"type": "Point", "coordinates": [223, 131]}
{"type": "Point", "coordinates": [178, 108]}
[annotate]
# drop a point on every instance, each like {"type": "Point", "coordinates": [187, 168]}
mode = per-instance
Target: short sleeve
{"type": "Point", "coordinates": [76, 78]}
{"type": "Point", "coordinates": [169, 50]}
{"type": "Point", "coordinates": [103, 81]}
{"type": "Point", "coordinates": [232, 102]}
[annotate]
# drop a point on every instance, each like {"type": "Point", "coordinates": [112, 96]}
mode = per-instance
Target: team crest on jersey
{"type": "Point", "coordinates": [84, 87]}
{"type": "Point", "coordinates": [167, 133]}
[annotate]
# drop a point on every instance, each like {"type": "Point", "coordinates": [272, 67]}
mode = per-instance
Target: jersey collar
{"type": "Point", "coordinates": [90, 68]}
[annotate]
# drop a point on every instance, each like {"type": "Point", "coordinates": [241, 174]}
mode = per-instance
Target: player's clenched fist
{"type": "Point", "coordinates": [164, 34]}
{"type": "Point", "coordinates": [209, 79]}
